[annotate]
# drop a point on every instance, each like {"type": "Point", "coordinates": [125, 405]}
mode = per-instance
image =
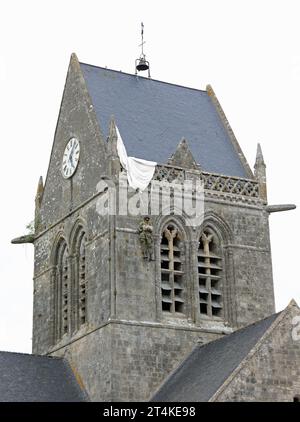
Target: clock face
{"type": "Point", "coordinates": [70, 158]}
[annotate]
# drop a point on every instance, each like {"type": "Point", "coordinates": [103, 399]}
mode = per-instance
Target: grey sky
{"type": "Point", "coordinates": [247, 50]}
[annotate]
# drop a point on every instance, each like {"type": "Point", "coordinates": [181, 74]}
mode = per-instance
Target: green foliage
{"type": "Point", "coordinates": [30, 227]}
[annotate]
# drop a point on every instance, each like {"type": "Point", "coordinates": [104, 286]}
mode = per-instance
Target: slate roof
{"type": "Point", "coordinates": [153, 116]}
{"type": "Point", "coordinates": [32, 378]}
{"type": "Point", "coordinates": [207, 367]}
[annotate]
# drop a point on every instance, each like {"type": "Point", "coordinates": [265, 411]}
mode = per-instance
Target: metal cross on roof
{"type": "Point", "coordinates": [141, 63]}
{"type": "Point", "coordinates": [142, 35]}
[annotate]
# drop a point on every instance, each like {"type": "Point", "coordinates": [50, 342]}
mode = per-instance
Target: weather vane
{"type": "Point", "coordinates": [141, 63]}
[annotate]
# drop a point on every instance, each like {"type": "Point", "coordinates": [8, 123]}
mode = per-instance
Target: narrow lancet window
{"type": "Point", "coordinates": [62, 291]}
{"type": "Point", "coordinates": [65, 293]}
{"type": "Point", "coordinates": [80, 280]}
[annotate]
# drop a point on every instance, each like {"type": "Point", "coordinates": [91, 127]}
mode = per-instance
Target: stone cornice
{"type": "Point", "coordinates": [222, 330]}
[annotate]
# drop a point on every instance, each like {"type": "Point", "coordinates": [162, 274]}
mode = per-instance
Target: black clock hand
{"type": "Point", "coordinates": [70, 157]}
{"type": "Point", "coordinates": [72, 154]}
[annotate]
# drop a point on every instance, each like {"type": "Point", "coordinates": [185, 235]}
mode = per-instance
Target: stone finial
{"type": "Point", "coordinates": [112, 137]}
{"type": "Point", "coordinates": [260, 172]}
{"type": "Point", "coordinates": [293, 303]}
{"type": "Point", "coordinates": [74, 59]}
{"type": "Point", "coordinates": [183, 157]}
{"type": "Point", "coordinates": [39, 192]}
{"type": "Point", "coordinates": [259, 157]}
{"type": "Point", "coordinates": [114, 161]}
{"type": "Point", "coordinates": [38, 201]}
{"type": "Point", "coordinates": [210, 91]}
{"type": "Point", "coordinates": [112, 128]}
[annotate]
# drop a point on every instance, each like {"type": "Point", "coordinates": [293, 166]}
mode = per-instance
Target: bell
{"type": "Point", "coordinates": [142, 64]}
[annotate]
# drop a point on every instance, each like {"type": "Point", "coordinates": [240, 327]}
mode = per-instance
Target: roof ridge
{"type": "Point", "coordinates": [30, 354]}
{"type": "Point", "coordinates": [240, 329]}
{"type": "Point", "coordinates": [256, 323]}
{"type": "Point", "coordinates": [143, 77]}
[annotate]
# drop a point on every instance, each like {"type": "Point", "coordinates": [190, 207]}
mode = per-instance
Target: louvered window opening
{"type": "Point", "coordinates": [172, 274]}
{"type": "Point", "coordinates": [82, 281]}
{"type": "Point", "coordinates": [210, 268]}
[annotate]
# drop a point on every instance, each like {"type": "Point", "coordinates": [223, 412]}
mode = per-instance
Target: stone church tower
{"type": "Point", "coordinates": [122, 321]}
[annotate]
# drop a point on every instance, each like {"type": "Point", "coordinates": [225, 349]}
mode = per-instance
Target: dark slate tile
{"type": "Point", "coordinates": [32, 378]}
{"type": "Point", "coordinates": [153, 116]}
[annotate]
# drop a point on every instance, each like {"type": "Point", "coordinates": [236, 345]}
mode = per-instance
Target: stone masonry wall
{"type": "Point", "coordinates": [76, 119]}
{"type": "Point", "coordinates": [128, 362]}
{"type": "Point", "coordinates": [97, 276]}
{"type": "Point", "coordinates": [137, 302]}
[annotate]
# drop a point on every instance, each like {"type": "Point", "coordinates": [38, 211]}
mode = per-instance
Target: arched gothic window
{"type": "Point", "coordinates": [62, 291]}
{"type": "Point", "coordinates": [172, 271]}
{"type": "Point", "coordinates": [80, 279]}
{"type": "Point", "coordinates": [210, 268]}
